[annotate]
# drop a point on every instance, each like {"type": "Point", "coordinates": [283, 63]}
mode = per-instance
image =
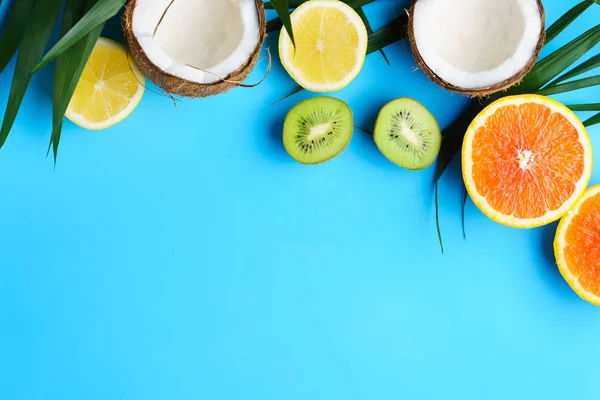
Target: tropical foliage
{"type": "Point", "coordinates": [30, 24]}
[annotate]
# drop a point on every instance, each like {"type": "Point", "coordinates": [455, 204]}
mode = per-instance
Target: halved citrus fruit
{"type": "Point", "coordinates": [109, 89]}
{"type": "Point", "coordinates": [331, 45]}
{"type": "Point", "coordinates": [577, 246]}
{"type": "Point", "coordinates": [526, 160]}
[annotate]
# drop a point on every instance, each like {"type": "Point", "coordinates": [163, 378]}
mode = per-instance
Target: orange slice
{"type": "Point", "coordinates": [526, 160]}
{"type": "Point", "coordinates": [577, 246]}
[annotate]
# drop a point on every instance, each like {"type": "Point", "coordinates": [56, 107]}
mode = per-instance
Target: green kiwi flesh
{"type": "Point", "coordinates": [317, 129]}
{"type": "Point", "coordinates": [407, 134]}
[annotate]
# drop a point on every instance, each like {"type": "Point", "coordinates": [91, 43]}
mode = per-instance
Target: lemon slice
{"type": "Point", "coordinates": [331, 45]}
{"type": "Point", "coordinates": [109, 89]}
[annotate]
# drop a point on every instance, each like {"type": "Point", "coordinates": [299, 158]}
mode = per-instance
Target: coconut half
{"type": "Point", "coordinates": [195, 48]}
{"type": "Point", "coordinates": [476, 47]}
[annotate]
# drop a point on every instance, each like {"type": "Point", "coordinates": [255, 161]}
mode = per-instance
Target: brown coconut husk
{"type": "Point", "coordinates": [483, 91]}
{"type": "Point", "coordinates": [183, 87]}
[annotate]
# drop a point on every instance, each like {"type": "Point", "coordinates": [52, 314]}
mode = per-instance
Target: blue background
{"type": "Point", "coordinates": [182, 254]}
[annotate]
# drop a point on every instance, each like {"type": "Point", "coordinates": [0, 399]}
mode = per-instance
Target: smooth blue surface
{"type": "Point", "coordinates": [183, 255]}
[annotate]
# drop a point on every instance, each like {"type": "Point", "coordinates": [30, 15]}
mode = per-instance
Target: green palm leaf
{"type": "Point", "coordinates": [554, 64]}
{"type": "Point", "coordinates": [69, 66]}
{"type": "Point", "coordinates": [73, 11]}
{"type": "Point", "coordinates": [437, 217]}
{"type": "Point", "coordinates": [363, 16]}
{"type": "Point", "coordinates": [570, 86]}
{"type": "Point", "coordinates": [15, 27]}
{"type": "Point", "coordinates": [587, 66]}
{"type": "Point", "coordinates": [40, 23]}
{"type": "Point", "coordinates": [592, 121]}
{"type": "Point", "coordinates": [296, 3]}
{"type": "Point", "coordinates": [585, 107]}
{"type": "Point", "coordinates": [96, 16]}
{"type": "Point", "coordinates": [453, 136]}
{"type": "Point", "coordinates": [275, 24]}
{"type": "Point", "coordinates": [390, 33]}
{"type": "Point", "coordinates": [283, 10]}
{"type": "Point", "coordinates": [564, 21]}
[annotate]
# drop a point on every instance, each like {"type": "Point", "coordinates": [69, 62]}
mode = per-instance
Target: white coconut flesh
{"type": "Point", "coordinates": [198, 40]}
{"type": "Point", "coordinates": [476, 43]}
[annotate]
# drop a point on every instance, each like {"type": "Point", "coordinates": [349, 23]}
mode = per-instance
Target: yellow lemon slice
{"type": "Point", "coordinates": [109, 89]}
{"type": "Point", "coordinates": [331, 45]}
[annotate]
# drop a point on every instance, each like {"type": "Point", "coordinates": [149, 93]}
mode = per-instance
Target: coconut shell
{"type": "Point", "coordinates": [483, 91]}
{"type": "Point", "coordinates": [183, 87]}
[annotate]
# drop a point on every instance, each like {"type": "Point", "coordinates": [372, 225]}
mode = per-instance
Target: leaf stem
{"type": "Point", "coordinates": [570, 86]}
{"type": "Point", "coordinates": [437, 219]}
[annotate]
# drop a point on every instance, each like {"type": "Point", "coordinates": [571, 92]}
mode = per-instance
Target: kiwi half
{"type": "Point", "coordinates": [407, 134]}
{"type": "Point", "coordinates": [317, 129]}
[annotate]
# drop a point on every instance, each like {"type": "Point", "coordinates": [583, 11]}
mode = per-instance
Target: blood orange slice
{"type": "Point", "coordinates": [577, 246]}
{"type": "Point", "coordinates": [526, 160]}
